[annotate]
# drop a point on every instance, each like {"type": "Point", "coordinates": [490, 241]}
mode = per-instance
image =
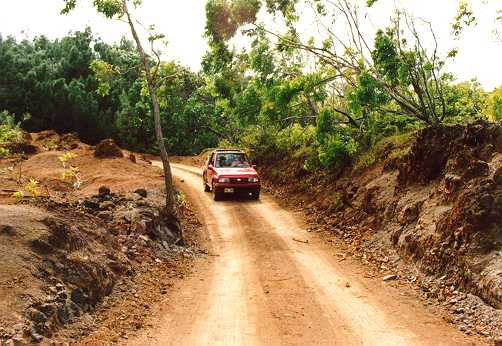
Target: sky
{"type": "Point", "coordinates": [183, 21]}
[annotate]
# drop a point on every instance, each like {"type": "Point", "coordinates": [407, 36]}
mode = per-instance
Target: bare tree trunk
{"type": "Point", "coordinates": [168, 178]}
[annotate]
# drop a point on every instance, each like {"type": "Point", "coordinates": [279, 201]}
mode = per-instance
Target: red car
{"type": "Point", "coordinates": [229, 171]}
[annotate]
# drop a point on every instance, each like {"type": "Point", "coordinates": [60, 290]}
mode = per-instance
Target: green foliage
{"type": "Point", "coordinates": [393, 146]}
{"type": "Point", "coordinates": [368, 94]}
{"type": "Point", "coordinates": [109, 8]}
{"type": "Point", "coordinates": [104, 73]}
{"type": "Point", "coordinates": [4, 152]}
{"type": "Point", "coordinates": [411, 77]}
{"type": "Point", "coordinates": [10, 133]}
{"type": "Point", "coordinates": [338, 147]}
{"type": "Point", "coordinates": [32, 186]}
{"type": "Point", "coordinates": [464, 17]}
{"type": "Point", "coordinates": [282, 97]}
{"type": "Point", "coordinates": [295, 138]}
{"type": "Point", "coordinates": [18, 196]}
{"type": "Point", "coordinates": [70, 170]}
{"type": "Point", "coordinates": [81, 84]}
{"type": "Point", "coordinates": [465, 101]}
{"type": "Point", "coordinates": [494, 104]}
{"type": "Point", "coordinates": [386, 57]}
{"type": "Point", "coordinates": [497, 107]}
{"type": "Point", "coordinates": [51, 80]}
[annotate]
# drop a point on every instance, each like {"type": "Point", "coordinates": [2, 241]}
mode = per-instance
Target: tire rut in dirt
{"type": "Point", "coordinates": [292, 303]}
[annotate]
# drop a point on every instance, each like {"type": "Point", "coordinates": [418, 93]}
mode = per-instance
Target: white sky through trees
{"type": "Point", "coordinates": [183, 21]}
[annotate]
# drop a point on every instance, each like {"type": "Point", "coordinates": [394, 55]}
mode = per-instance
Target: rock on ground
{"type": "Point", "coordinates": [107, 148]}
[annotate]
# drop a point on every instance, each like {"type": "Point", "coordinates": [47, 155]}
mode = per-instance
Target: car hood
{"type": "Point", "coordinates": [235, 171]}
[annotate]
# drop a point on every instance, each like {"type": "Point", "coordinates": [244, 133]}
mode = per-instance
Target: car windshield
{"type": "Point", "coordinates": [232, 160]}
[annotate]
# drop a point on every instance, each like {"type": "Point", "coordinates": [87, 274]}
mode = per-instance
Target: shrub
{"type": "Point", "coordinates": [11, 134]}
{"type": "Point", "coordinates": [295, 137]}
{"type": "Point", "coordinates": [337, 149]}
{"type": "Point", "coordinates": [70, 171]}
{"type": "Point", "coordinates": [18, 196]}
{"type": "Point", "coordinates": [32, 187]}
{"type": "Point", "coordinates": [4, 152]}
{"type": "Point", "coordinates": [396, 146]}
{"type": "Point", "coordinates": [9, 130]}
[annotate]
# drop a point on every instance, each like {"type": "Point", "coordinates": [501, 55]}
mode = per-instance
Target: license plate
{"type": "Point", "coordinates": [228, 190]}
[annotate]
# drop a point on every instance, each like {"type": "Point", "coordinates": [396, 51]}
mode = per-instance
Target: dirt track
{"type": "Point", "coordinates": [268, 285]}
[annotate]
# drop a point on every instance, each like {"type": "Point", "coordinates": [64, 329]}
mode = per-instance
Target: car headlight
{"type": "Point", "coordinates": [253, 180]}
{"type": "Point", "coordinates": [224, 180]}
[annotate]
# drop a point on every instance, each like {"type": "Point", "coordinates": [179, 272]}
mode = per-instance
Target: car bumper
{"type": "Point", "coordinates": [237, 188]}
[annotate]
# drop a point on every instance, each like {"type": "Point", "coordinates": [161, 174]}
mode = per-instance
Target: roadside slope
{"type": "Point", "coordinates": [426, 208]}
{"type": "Point", "coordinates": [72, 258]}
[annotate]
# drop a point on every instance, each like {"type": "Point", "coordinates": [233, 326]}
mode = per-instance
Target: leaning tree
{"type": "Point", "coordinates": [120, 10]}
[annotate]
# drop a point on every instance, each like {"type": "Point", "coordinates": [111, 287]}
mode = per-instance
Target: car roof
{"type": "Point", "coordinates": [229, 151]}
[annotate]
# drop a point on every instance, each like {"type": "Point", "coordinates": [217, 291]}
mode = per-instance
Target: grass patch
{"type": "Point", "coordinates": [389, 147]}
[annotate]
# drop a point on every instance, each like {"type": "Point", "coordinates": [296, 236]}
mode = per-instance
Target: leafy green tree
{"type": "Point", "coordinates": [398, 71]}
{"type": "Point", "coordinates": [494, 104]}
{"type": "Point", "coordinates": [465, 101]}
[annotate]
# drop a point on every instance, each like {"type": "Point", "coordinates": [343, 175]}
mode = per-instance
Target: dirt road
{"type": "Point", "coordinates": [271, 282]}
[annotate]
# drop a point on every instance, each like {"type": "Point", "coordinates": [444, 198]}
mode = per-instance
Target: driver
{"type": "Point", "coordinates": [222, 161]}
{"type": "Point", "coordinates": [235, 162]}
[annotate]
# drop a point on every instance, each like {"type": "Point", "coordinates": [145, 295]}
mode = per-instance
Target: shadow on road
{"type": "Point", "coordinates": [237, 197]}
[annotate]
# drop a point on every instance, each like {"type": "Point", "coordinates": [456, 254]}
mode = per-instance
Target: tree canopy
{"type": "Point", "coordinates": [328, 97]}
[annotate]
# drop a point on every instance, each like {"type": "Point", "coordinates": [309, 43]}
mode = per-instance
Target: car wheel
{"type": "Point", "coordinates": [255, 196]}
{"type": "Point", "coordinates": [217, 195]}
{"type": "Point", "coordinates": [206, 187]}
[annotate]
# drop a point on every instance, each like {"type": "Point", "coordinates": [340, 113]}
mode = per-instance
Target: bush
{"type": "Point", "coordinates": [337, 142]}
{"type": "Point", "coordinates": [295, 137]}
{"type": "Point", "coordinates": [393, 146]}
{"type": "Point", "coordinates": [260, 142]}
{"type": "Point", "coordinates": [10, 133]}
{"type": "Point", "coordinates": [337, 149]}
{"type": "Point", "coordinates": [268, 143]}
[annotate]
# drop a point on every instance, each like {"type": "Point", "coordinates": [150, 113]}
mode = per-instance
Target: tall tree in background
{"type": "Point", "coordinates": [119, 9]}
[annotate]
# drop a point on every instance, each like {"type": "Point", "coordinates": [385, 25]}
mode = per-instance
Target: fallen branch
{"type": "Point", "coordinates": [301, 241]}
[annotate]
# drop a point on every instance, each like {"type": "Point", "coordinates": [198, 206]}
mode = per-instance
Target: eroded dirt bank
{"type": "Point", "coordinates": [75, 259]}
{"type": "Point", "coordinates": [273, 282]}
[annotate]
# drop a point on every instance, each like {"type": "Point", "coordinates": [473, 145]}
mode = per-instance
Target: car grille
{"type": "Point", "coordinates": [239, 180]}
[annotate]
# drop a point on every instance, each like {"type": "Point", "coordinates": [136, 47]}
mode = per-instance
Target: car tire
{"type": "Point", "coordinates": [255, 196]}
{"type": "Point", "coordinates": [217, 196]}
{"type": "Point", "coordinates": [206, 187]}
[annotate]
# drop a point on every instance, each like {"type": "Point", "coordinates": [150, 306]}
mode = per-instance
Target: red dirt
{"type": "Point", "coordinates": [70, 256]}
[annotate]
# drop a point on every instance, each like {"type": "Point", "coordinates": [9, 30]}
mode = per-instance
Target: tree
{"type": "Point", "coordinates": [494, 104]}
{"type": "Point", "coordinates": [120, 9]}
{"type": "Point", "coordinates": [397, 68]}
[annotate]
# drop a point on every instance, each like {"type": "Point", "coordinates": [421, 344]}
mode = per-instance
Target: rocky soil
{"type": "Point", "coordinates": [427, 215]}
{"type": "Point", "coordinates": [75, 258]}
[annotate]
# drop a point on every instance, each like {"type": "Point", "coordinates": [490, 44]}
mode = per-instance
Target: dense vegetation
{"type": "Point", "coordinates": [54, 82]}
{"type": "Point", "coordinates": [325, 100]}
